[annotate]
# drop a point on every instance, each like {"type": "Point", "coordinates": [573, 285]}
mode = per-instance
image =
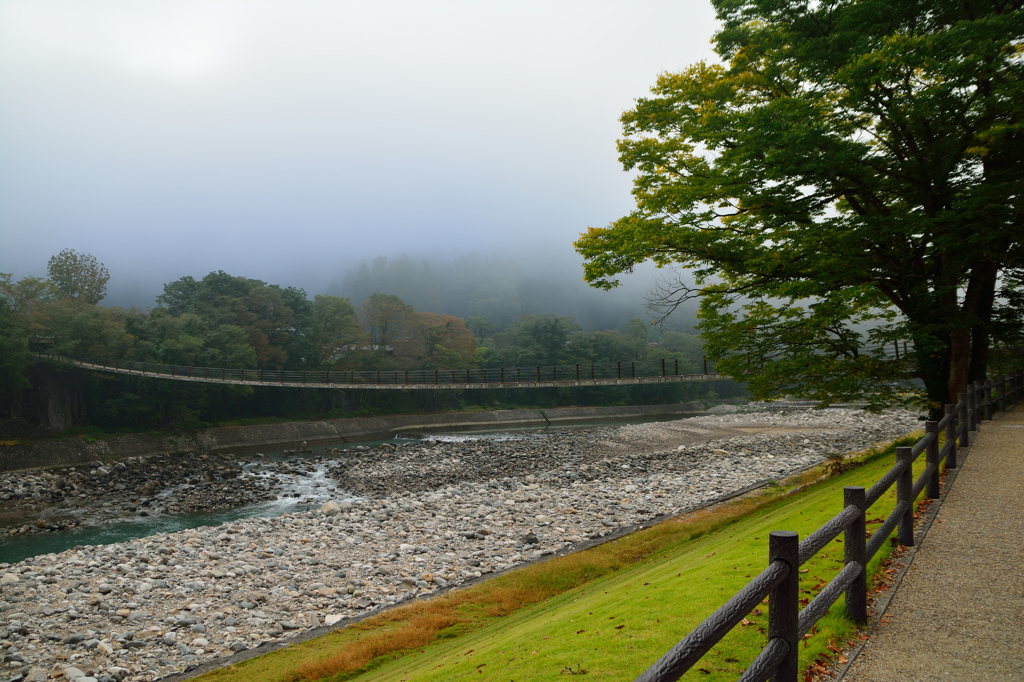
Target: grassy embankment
{"type": "Point", "coordinates": [609, 611]}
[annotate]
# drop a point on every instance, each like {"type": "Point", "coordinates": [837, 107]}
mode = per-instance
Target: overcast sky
{"type": "Point", "coordinates": [287, 140]}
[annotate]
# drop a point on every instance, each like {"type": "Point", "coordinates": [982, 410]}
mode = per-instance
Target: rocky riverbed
{"type": "Point", "coordinates": [431, 514]}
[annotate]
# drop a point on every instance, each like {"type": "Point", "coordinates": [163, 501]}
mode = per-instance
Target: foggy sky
{"type": "Point", "coordinates": [288, 140]}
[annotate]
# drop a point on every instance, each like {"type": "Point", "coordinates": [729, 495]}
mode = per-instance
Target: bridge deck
{"type": "Point", "coordinates": [389, 380]}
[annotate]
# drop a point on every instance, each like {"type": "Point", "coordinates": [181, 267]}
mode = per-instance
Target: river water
{"type": "Point", "coordinates": [300, 492]}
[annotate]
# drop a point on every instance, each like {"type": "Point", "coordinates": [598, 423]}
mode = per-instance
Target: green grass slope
{"type": "Point", "coordinates": [608, 622]}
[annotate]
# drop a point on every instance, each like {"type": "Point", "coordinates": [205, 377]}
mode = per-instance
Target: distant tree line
{"type": "Point", "coordinates": [225, 320]}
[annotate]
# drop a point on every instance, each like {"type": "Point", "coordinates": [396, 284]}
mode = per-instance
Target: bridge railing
{"type": "Point", "coordinates": [779, 582]}
{"type": "Point", "coordinates": [526, 375]}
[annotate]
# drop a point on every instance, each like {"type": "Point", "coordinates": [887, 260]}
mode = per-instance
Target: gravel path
{"type": "Point", "coordinates": [959, 612]}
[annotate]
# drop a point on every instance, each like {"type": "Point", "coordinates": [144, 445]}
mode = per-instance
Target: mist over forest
{"type": "Point", "coordinates": [263, 196]}
{"type": "Point", "coordinates": [496, 287]}
{"type": "Point", "coordinates": [500, 289]}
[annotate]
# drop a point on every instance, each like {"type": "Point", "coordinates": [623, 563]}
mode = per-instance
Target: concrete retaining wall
{"type": "Point", "coordinates": [73, 451]}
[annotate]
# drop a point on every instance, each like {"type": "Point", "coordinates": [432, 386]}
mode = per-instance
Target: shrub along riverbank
{"type": "Point", "coordinates": [610, 610]}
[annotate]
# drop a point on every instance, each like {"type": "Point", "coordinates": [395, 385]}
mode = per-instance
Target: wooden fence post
{"type": "Point", "coordinates": [951, 436]}
{"type": "Point", "coordinates": [932, 457]}
{"type": "Point", "coordinates": [987, 398]}
{"type": "Point", "coordinates": [855, 549]}
{"type": "Point", "coordinates": [904, 493]}
{"type": "Point", "coordinates": [964, 418]}
{"type": "Point", "coordinates": [1002, 392]}
{"type": "Point", "coordinates": [784, 602]}
{"type": "Point", "coordinates": [972, 407]}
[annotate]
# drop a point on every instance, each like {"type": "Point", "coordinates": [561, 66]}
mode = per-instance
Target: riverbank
{"type": "Point", "coordinates": [19, 455]}
{"type": "Point", "coordinates": [148, 608]}
{"type": "Point", "coordinates": [148, 476]}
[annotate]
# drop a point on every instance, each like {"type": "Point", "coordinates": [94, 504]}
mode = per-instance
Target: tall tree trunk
{"type": "Point", "coordinates": [959, 362]}
{"type": "Point", "coordinates": [969, 358]}
{"type": "Point", "coordinates": [980, 330]}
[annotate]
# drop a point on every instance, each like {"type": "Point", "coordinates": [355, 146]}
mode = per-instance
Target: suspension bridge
{"type": "Point", "coordinates": [536, 376]}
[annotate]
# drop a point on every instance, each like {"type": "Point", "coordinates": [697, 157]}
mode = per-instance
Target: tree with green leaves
{"type": "Point", "coordinates": [385, 317]}
{"type": "Point", "coordinates": [438, 342]}
{"type": "Point", "coordinates": [536, 340]}
{"type": "Point", "coordinates": [14, 354]}
{"type": "Point", "coordinates": [849, 177]}
{"type": "Point", "coordinates": [334, 332]}
{"type": "Point", "coordinates": [479, 324]}
{"type": "Point", "coordinates": [79, 277]}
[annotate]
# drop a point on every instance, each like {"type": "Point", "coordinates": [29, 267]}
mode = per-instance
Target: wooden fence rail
{"type": "Point", "coordinates": [779, 582]}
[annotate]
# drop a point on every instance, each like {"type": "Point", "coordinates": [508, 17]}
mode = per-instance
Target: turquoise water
{"type": "Point", "coordinates": [15, 548]}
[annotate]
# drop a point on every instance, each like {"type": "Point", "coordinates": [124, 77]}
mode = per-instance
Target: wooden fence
{"type": "Point", "coordinates": [787, 624]}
